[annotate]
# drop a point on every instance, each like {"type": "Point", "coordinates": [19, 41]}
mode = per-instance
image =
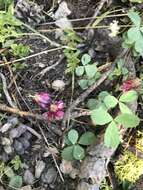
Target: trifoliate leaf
{"type": "Point", "coordinates": [87, 138]}
{"type": "Point", "coordinates": [100, 116]}
{"type": "Point", "coordinates": [127, 120]}
{"type": "Point", "coordinates": [111, 137]}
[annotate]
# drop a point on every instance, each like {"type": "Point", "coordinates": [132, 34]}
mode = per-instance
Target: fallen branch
{"type": "Point", "coordinates": [5, 108]}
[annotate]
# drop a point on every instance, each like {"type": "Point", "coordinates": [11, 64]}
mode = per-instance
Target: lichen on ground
{"type": "Point", "coordinates": [129, 167]}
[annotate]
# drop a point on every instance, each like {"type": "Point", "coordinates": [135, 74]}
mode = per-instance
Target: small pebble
{"type": "Point", "coordinates": [49, 176]}
{"type": "Point", "coordinates": [28, 177]}
{"type": "Point", "coordinates": [17, 132]}
{"type": "Point", "coordinates": [6, 141]}
{"type": "Point", "coordinates": [18, 147]}
{"type": "Point", "coordinates": [13, 133]}
{"type": "Point", "coordinates": [24, 142]}
{"type": "Point", "coordinates": [21, 129]}
{"type": "Point", "coordinates": [13, 120]}
{"type": "Point", "coordinates": [8, 149]}
{"type": "Point", "coordinates": [58, 85]}
{"type": "Point", "coordinates": [5, 127]}
{"type": "Point", "coordinates": [40, 166]}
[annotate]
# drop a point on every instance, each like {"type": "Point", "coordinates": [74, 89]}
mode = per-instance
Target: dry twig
{"type": "Point", "coordinates": [6, 91]}
{"type": "Point", "coordinates": [5, 108]}
{"type": "Point", "coordinates": [33, 55]}
{"type": "Point", "coordinates": [97, 10]}
{"type": "Point", "coordinates": [48, 68]}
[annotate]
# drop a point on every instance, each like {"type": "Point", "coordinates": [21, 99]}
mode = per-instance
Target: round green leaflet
{"type": "Point", "coordinates": [73, 136]}
{"type": "Point", "coordinates": [78, 152]}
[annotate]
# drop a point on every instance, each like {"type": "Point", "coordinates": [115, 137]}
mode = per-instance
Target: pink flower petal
{"type": "Point", "coordinates": [60, 104]}
{"type": "Point", "coordinates": [59, 115]}
{"type": "Point", "coordinates": [130, 84]}
{"type": "Point", "coordinates": [42, 99]}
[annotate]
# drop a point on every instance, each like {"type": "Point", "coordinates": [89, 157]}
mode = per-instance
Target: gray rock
{"type": "Point", "coordinates": [5, 127]}
{"type": "Point", "coordinates": [13, 120]}
{"type": "Point", "coordinates": [24, 142]}
{"type": "Point", "coordinates": [49, 176]}
{"type": "Point", "coordinates": [21, 129]}
{"type": "Point", "coordinates": [18, 147]}
{"type": "Point", "coordinates": [40, 166]}
{"type": "Point", "coordinates": [8, 149]}
{"type": "Point", "coordinates": [17, 132]}
{"type": "Point", "coordinates": [13, 133]}
{"type": "Point", "coordinates": [28, 177]}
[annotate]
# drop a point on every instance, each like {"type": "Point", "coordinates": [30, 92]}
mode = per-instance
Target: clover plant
{"type": "Point", "coordinates": [101, 114]}
{"type": "Point", "coordinates": [133, 38]}
{"type": "Point", "coordinates": [74, 145]}
{"type": "Point", "coordinates": [87, 71]}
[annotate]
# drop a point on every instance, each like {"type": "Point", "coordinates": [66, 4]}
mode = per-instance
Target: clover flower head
{"type": "Point", "coordinates": [55, 111]}
{"type": "Point", "coordinates": [114, 27]}
{"type": "Point", "coordinates": [42, 99]}
{"type": "Point", "coordinates": [130, 84]}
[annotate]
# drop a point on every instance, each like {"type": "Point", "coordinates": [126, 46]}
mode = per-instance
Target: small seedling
{"type": "Point", "coordinates": [120, 70]}
{"type": "Point", "coordinates": [8, 25]}
{"type": "Point", "coordinates": [15, 181]}
{"type": "Point", "coordinates": [88, 71]}
{"type": "Point", "coordinates": [72, 54]}
{"type": "Point", "coordinates": [19, 50]}
{"type": "Point", "coordinates": [74, 149]}
{"type": "Point", "coordinates": [16, 163]}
